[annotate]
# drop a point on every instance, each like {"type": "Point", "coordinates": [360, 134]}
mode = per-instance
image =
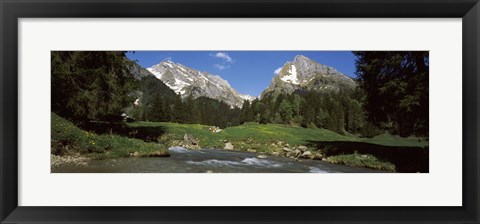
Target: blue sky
{"type": "Point", "coordinates": [249, 72]}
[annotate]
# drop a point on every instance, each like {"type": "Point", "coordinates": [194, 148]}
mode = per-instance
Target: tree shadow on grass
{"type": "Point", "coordinates": [406, 159]}
{"type": "Point", "coordinates": [147, 134]}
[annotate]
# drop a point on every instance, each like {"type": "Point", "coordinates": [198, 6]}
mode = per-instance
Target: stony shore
{"type": "Point", "coordinates": [75, 159]}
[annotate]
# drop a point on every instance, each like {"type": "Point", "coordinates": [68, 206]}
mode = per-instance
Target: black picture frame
{"type": "Point", "coordinates": [11, 11]}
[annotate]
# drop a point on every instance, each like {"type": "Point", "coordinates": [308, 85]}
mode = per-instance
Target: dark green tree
{"type": "Point", "coordinates": [396, 88]}
{"type": "Point", "coordinates": [286, 111]}
{"type": "Point", "coordinates": [91, 85]}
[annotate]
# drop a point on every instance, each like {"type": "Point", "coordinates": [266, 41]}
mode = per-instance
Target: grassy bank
{"type": "Point", "coordinates": [383, 152]}
{"type": "Point", "coordinates": [68, 140]}
{"type": "Point", "coordinates": [358, 160]}
{"type": "Point", "coordinates": [391, 140]}
{"type": "Point", "coordinates": [249, 136]}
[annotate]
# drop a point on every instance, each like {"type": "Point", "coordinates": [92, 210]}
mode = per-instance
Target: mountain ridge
{"type": "Point", "coordinates": [305, 74]}
{"type": "Point", "coordinates": [300, 74]}
{"type": "Point", "coordinates": [187, 81]}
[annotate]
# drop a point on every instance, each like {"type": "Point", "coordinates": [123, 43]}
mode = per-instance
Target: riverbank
{"type": "Point", "coordinates": [73, 145]}
{"type": "Point", "coordinates": [299, 143]}
{"type": "Point", "coordinates": [70, 144]}
{"type": "Point", "coordinates": [184, 160]}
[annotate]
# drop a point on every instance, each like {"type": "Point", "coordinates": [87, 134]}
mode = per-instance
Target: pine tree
{"type": "Point", "coordinates": [91, 85]}
{"type": "Point", "coordinates": [286, 111]}
{"type": "Point", "coordinates": [156, 112]}
{"type": "Point", "coordinates": [245, 111]}
{"type": "Point", "coordinates": [178, 112]}
{"type": "Point", "coordinates": [396, 87]}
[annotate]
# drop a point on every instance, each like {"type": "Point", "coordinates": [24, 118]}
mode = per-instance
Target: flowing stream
{"type": "Point", "coordinates": [209, 161]}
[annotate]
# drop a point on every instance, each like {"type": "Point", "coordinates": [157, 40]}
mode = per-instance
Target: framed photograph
{"type": "Point", "coordinates": [245, 112]}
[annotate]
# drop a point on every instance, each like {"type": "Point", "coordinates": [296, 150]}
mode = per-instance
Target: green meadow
{"type": "Point", "coordinates": [259, 137]}
{"type": "Point", "coordinates": [268, 133]}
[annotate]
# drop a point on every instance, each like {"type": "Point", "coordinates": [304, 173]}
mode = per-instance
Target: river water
{"type": "Point", "coordinates": [208, 161]}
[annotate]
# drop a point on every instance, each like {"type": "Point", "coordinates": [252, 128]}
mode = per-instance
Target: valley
{"type": "Point", "coordinates": [108, 111]}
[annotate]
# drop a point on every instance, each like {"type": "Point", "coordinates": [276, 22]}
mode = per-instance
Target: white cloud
{"type": "Point", "coordinates": [277, 70]}
{"type": "Point", "coordinates": [226, 60]}
{"type": "Point", "coordinates": [224, 56]}
{"type": "Point", "coordinates": [221, 67]}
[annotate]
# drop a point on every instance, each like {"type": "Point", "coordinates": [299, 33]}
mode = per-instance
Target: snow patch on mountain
{"type": "Point", "coordinates": [156, 73]}
{"type": "Point", "coordinates": [168, 63]}
{"type": "Point", "coordinates": [248, 97]}
{"type": "Point", "coordinates": [181, 68]}
{"type": "Point", "coordinates": [292, 78]}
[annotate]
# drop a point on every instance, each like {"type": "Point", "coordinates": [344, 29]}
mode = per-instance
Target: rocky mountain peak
{"type": "Point", "coordinates": [305, 74]}
{"type": "Point", "coordinates": [190, 82]}
{"type": "Point", "coordinates": [300, 58]}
